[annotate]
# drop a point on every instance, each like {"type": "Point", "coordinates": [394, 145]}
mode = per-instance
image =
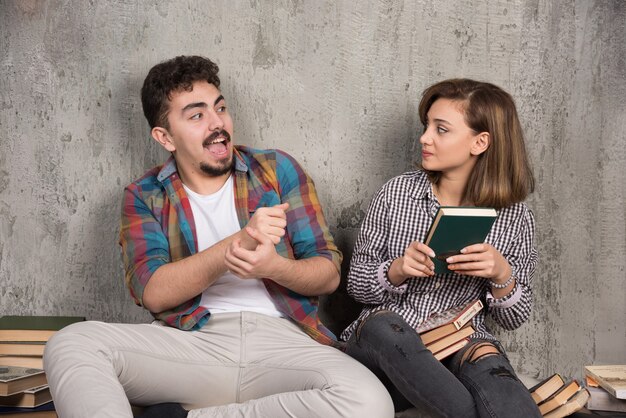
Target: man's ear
{"type": "Point", "coordinates": [481, 143]}
{"type": "Point", "coordinates": [162, 136]}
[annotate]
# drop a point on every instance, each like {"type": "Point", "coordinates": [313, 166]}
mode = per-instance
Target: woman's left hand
{"type": "Point", "coordinates": [481, 260]}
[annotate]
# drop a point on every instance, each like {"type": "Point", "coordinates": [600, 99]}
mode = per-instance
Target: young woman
{"type": "Point", "coordinates": [473, 154]}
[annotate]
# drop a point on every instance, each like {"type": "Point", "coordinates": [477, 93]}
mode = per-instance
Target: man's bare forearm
{"type": "Point", "coordinates": [177, 282]}
{"type": "Point", "coordinates": [309, 277]}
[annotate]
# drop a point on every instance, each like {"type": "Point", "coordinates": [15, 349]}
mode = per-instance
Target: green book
{"type": "Point", "coordinates": [18, 328]}
{"type": "Point", "coordinates": [456, 227]}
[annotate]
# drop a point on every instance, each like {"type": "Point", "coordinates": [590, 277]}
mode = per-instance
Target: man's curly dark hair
{"type": "Point", "coordinates": [170, 76]}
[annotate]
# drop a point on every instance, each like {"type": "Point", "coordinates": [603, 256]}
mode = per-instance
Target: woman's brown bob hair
{"type": "Point", "coordinates": [502, 175]}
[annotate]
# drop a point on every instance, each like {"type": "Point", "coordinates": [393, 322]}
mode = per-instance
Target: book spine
{"type": "Point", "coordinates": [468, 315]}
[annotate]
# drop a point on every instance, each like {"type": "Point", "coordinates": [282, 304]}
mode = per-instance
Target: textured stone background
{"type": "Point", "coordinates": [336, 84]}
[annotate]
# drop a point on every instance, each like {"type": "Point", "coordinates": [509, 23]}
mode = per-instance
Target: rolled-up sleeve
{"type": "Point", "coordinates": [306, 225]}
{"type": "Point", "coordinates": [145, 247]}
{"type": "Point", "coordinates": [367, 278]}
{"type": "Point", "coordinates": [514, 309]}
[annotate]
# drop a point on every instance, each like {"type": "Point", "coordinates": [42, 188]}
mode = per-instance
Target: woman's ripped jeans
{"type": "Point", "coordinates": [478, 381]}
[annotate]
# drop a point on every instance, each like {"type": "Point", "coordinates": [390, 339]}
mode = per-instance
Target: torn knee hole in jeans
{"type": "Point", "coordinates": [479, 352]}
{"type": "Point", "coordinates": [482, 351]}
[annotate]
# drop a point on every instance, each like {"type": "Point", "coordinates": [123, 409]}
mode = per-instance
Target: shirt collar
{"type": "Point", "coordinates": [168, 169]}
{"type": "Point", "coordinates": [240, 163]}
{"type": "Point", "coordinates": [422, 189]}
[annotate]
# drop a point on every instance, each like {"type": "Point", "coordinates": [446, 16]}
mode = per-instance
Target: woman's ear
{"type": "Point", "coordinates": [162, 136]}
{"type": "Point", "coordinates": [481, 143]}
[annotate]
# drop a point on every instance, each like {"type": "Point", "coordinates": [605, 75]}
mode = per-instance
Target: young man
{"type": "Point", "coordinates": [228, 248]}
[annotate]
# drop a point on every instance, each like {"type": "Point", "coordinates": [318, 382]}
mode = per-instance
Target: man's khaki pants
{"type": "Point", "coordinates": [238, 365]}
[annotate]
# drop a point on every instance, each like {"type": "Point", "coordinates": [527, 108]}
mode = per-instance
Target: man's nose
{"type": "Point", "coordinates": [216, 123]}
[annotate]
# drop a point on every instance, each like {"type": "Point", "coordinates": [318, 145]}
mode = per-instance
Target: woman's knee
{"type": "Point", "coordinates": [384, 327]}
{"type": "Point", "coordinates": [480, 351]}
{"type": "Point", "coordinates": [482, 358]}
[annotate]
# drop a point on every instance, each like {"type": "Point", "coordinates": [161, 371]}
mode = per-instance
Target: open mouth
{"type": "Point", "coordinates": [217, 143]}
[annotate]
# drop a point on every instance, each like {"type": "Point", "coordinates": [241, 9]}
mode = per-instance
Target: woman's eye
{"type": "Point", "coordinates": [221, 109]}
{"type": "Point", "coordinates": [441, 130]}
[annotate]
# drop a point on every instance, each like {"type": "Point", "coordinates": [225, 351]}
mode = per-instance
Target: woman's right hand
{"type": "Point", "coordinates": [416, 262]}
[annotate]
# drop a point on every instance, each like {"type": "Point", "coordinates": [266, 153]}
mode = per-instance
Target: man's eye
{"type": "Point", "coordinates": [196, 116]}
{"type": "Point", "coordinates": [221, 109]}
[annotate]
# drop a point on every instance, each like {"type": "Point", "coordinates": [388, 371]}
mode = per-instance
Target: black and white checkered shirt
{"type": "Point", "coordinates": [401, 213]}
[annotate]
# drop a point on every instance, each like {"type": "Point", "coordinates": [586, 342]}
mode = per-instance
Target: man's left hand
{"type": "Point", "coordinates": [262, 262]}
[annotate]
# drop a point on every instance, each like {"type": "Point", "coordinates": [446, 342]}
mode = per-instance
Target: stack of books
{"type": "Point", "coordinates": [607, 388]}
{"type": "Point", "coordinates": [447, 332]}
{"type": "Point", "coordinates": [557, 397]}
{"type": "Point", "coordinates": [24, 392]}
{"type": "Point", "coordinates": [23, 386]}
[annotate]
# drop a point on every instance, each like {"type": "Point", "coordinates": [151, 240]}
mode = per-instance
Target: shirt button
{"type": "Point", "coordinates": [437, 285]}
{"type": "Point", "coordinates": [426, 297]}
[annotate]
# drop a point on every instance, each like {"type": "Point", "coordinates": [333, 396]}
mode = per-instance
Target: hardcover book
{"type": "Point", "coordinates": [544, 389]}
{"type": "Point", "coordinates": [445, 323]}
{"type": "Point", "coordinates": [17, 379]}
{"type": "Point", "coordinates": [575, 403]}
{"type": "Point", "coordinates": [610, 377]}
{"type": "Point", "coordinates": [440, 355]}
{"type": "Point", "coordinates": [31, 362]}
{"type": "Point", "coordinates": [451, 339]}
{"type": "Point", "coordinates": [12, 348]}
{"type": "Point", "coordinates": [561, 397]}
{"type": "Point", "coordinates": [601, 400]}
{"type": "Point", "coordinates": [30, 398]}
{"type": "Point", "coordinates": [42, 411]}
{"type": "Point", "coordinates": [456, 227]}
{"type": "Point", "coordinates": [33, 328]}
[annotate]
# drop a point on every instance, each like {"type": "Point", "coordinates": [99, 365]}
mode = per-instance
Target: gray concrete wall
{"type": "Point", "coordinates": [336, 84]}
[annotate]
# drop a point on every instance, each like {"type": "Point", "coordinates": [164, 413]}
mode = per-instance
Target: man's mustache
{"type": "Point", "coordinates": [214, 135]}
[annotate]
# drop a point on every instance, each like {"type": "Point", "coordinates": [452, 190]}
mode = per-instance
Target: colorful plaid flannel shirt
{"type": "Point", "coordinates": [157, 227]}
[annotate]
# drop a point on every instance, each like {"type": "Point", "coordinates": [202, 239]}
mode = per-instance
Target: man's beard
{"type": "Point", "coordinates": [222, 167]}
{"type": "Point", "coordinates": [218, 170]}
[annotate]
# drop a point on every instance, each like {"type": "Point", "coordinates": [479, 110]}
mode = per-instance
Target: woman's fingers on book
{"type": "Point", "coordinates": [420, 252]}
{"type": "Point", "coordinates": [424, 249]}
{"type": "Point", "coordinates": [476, 248]}
{"type": "Point", "coordinates": [422, 260]}
{"type": "Point", "coordinates": [480, 260]}
{"type": "Point", "coordinates": [417, 264]}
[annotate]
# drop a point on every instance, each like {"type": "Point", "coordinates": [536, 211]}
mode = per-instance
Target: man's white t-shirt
{"type": "Point", "coordinates": [215, 216]}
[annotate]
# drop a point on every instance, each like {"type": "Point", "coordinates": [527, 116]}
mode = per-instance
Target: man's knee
{"type": "Point", "coordinates": [77, 337]}
{"type": "Point", "coordinates": [73, 332]}
{"type": "Point", "coordinates": [367, 397]}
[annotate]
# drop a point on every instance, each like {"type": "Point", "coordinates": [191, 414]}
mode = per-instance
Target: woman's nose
{"type": "Point", "coordinates": [425, 137]}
